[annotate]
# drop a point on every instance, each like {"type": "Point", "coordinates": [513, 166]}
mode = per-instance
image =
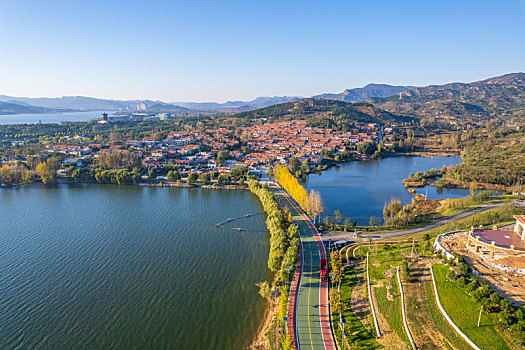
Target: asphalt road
{"type": "Point", "coordinates": [312, 321]}
{"type": "Point", "coordinates": [347, 236]}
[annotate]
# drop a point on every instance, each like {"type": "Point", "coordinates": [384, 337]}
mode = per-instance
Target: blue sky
{"type": "Point", "coordinates": [218, 51]}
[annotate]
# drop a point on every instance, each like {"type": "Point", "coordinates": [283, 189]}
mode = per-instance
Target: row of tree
{"type": "Point", "coordinates": [119, 177]}
{"type": "Point", "coordinates": [12, 175]}
{"type": "Point", "coordinates": [284, 243]}
{"type": "Point", "coordinates": [311, 203]}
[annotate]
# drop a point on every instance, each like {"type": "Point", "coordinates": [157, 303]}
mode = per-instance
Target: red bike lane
{"type": "Point", "coordinates": [324, 312]}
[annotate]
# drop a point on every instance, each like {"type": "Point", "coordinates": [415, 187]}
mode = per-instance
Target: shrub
{"type": "Point", "coordinates": [472, 286]}
{"type": "Point", "coordinates": [461, 282]}
{"type": "Point", "coordinates": [264, 290]}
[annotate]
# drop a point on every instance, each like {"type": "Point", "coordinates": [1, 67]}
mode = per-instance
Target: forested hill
{"type": "Point", "coordinates": [502, 96]}
{"type": "Point", "coordinates": [326, 113]}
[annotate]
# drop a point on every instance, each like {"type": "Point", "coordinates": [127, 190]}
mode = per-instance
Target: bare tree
{"type": "Point", "coordinates": [315, 204]}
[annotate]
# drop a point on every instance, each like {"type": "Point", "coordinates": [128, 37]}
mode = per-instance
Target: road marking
{"type": "Point", "coordinates": [315, 235]}
{"type": "Point", "coordinates": [309, 290]}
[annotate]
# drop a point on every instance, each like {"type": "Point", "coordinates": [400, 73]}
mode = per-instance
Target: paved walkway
{"type": "Point", "coordinates": [312, 322]}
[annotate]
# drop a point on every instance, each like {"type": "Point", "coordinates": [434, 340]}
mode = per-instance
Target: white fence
{"type": "Point", "coordinates": [370, 297]}
{"type": "Point", "coordinates": [456, 328]}
{"type": "Point", "coordinates": [403, 311]}
{"type": "Point", "coordinates": [438, 246]}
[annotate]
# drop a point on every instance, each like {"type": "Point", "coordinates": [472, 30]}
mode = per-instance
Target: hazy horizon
{"type": "Point", "coordinates": [218, 52]}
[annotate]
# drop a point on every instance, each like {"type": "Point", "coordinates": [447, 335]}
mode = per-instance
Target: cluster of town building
{"type": "Point", "coordinates": [264, 144]}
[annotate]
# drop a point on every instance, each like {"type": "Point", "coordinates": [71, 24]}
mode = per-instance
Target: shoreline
{"type": "Point", "coordinates": [260, 340]}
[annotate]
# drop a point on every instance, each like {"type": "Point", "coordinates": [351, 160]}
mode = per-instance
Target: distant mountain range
{"type": "Point", "coordinates": [95, 104]}
{"type": "Point", "coordinates": [15, 107]}
{"type": "Point", "coordinates": [91, 104]}
{"type": "Point", "coordinates": [364, 93]}
{"type": "Point", "coordinates": [499, 96]}
{"type": "Point", "coordinates": [503, 95]}
{"type": "Point", "coordinates": [259, 102]}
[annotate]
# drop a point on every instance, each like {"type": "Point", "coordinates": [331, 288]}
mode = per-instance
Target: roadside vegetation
{"type": "Point", "coordinates": [495, 216]}
{"type": "Point", "coordinates": [356, 335]}
{"type": "Point", "coordinates": [284, 249]}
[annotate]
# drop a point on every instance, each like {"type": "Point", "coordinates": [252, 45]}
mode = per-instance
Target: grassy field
{"type": "Point", "coordinates": [464, 311]}
{"type": "Point", "coordinates": [381, 262]}
{"type": "Point", "coordinates": [440, 323]}
{"type": "Point", "coordinates": [391, 309]}
{"type": "Point", "coordinates": [357, 335]}
{"type": "Point", "coordinates": [382, 271]}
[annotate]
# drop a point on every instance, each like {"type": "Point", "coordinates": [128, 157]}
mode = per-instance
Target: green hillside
{"type": "Point", "coordinates": [326, 113]}
{"type": "Point", "coordinates": [498, 97]}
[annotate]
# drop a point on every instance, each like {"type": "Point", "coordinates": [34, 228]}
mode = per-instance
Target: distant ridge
{"type": "Point", "coordinates": [502, 95]}
{"type": "Point", "coordinates": [497, 96]}
{"type": "Point", "coordinates": [325, 113]}
{"type": "Point", "coordinates": [258, 102]}
{"type": "Point", "coordinates": [92, 104]}
{"type": "Point", "coordinates": [366, 92]}
{"type": "Point", "coordinates": [16, 108]}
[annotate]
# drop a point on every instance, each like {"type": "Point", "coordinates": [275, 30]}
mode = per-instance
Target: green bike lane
{"type": "Point", "coordinates": [309, 309]}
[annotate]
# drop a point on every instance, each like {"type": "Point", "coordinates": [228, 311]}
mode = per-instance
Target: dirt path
{"type": "Point", "coordinates": [419, 319]}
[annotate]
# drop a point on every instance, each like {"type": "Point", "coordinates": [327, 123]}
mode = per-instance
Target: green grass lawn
{"type": "Point", "coordinates": [464, 311]}
{"type": "Point", "coordinates": [391, 256]}
{"type": "Point", "coordinates": [355, 332]}
{"type": "Point", "coordinates": [381, 271]}
{"type": "Point", "coordinates": [441, 323]}
{"type": "Point", "coordinates": [391, 309]}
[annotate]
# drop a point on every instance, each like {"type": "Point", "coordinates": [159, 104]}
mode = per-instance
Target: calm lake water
{"type": "Point", "coordinates": [50, 117]}
{"type": "Point", "coordinates": [108, 267]}
{"type": "Point", "coordinates": [360, 189]}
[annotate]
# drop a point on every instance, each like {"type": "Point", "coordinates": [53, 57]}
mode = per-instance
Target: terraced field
{"type": "Point", "coordinates": [428, 327]}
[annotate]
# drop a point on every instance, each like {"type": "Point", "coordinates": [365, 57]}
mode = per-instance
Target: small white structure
{"type": "Point", "coordinates": [520, 226]}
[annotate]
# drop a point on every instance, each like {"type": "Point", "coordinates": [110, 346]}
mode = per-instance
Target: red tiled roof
{"type": "Point", "coordinates": [520, 218]}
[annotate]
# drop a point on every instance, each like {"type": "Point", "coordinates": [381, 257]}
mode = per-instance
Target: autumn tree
{"type": "Point", "coordinates": [5, 174]}
{"type": "Point", "coordinates": [43, 171]}
{"type": "Point", "coordinates": [291, 185]}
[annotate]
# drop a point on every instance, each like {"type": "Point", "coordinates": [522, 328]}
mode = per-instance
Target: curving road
{"type": "Point", "coordinates": [339, 235]}
{"type": "Point", "coordinates": [311, 325]}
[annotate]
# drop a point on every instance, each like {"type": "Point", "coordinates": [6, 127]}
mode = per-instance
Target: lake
{"type": "Point", "coordinates": [46, 118]}
{"type": "Point", "coordinates": [109, 267]}
{"type": "Point", "coordinates": [360, 189]}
